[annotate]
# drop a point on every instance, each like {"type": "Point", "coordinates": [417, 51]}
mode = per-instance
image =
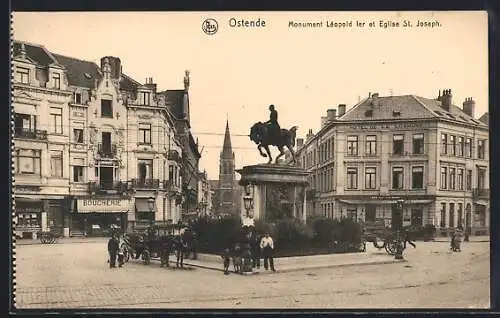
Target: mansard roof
{"type": "Point", "coordinates": [405, 107]}
{"type": "Point", "coordinates": [35, 52]}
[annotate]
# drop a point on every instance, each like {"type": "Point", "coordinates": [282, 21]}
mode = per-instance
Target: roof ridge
{"type": "Point", "coordinates": [75, 58]}
{"type": "Point", "coordinates": [130, 78]}
{"type": "Point", "coordinates": [353, 107]}
{"type": "Point", "coordinates": [417, 98]}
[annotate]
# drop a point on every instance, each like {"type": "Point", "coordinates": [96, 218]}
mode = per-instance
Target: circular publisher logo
{"type": "Point", "coordinates": [210, 26]}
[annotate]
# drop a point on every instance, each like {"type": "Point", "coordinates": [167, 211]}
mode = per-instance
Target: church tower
{"type": "Point", "coordinates": [226, 175]}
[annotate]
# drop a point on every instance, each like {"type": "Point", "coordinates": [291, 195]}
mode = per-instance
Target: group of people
{"type": "Point", "coordinates": [116, 250]}
{"type": "Point", "coordinates": [248, 254]}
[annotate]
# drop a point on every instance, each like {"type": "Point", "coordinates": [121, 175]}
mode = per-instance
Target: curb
{"type": "Point", "coordinates": [307, 268]}
{"type": "Point", "coordinates": [59, 242]}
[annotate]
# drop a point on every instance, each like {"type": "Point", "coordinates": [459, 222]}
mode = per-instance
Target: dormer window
{"type": "Point", "coordinates": [56, 80]}
{"type": "Point", "coordinates": [23, 75]}
{"type": "Point", "coordinates": [369, 113]}
{"type": "Point", "coordinates": [78, 98]}
{"type": "Point", "coordinates": [396, 114]}
{"type": "Point", "coordinates": [144, 98]}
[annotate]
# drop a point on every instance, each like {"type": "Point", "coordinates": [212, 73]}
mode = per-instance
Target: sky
{"type": "Point", "coordinates": [237, 72]}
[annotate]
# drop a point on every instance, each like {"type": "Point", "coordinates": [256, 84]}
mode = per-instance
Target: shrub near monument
{"type": "Point", "coordinates": [291, 237]}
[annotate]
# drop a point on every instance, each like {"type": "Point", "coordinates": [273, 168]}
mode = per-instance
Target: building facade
{"type": "Point", "coordinates": [179, 107]}
{"type": "Point", "coordinates": [427, 152]}
{"type": "Point", "coordinates": [93, 145]}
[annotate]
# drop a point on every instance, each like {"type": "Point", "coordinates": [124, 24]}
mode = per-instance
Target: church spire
{"type": "Point", "coordinates": [227, 150]}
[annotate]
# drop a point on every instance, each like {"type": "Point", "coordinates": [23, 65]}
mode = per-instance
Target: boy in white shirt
{"type": "Point", "coordinates": [267, 247]}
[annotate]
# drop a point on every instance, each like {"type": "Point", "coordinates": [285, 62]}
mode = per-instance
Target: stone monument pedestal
{"type": "Point", "coordinates": [278, 191]}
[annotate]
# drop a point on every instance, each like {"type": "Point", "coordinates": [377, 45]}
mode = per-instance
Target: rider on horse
{"type": "Point", "coordinates": [274, 127]}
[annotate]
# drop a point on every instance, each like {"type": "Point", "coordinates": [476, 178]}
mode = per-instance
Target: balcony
{"type": "Point", "coordinates": [145, 183]}
{"type": "Point", "coordinates": [30, 133]}
{"type": "Point", "coordinates": [108, 185]}
{"type": "Point", "coordinates": [481, 194]}
{"type": "Point", "coordinates": [106, 150]}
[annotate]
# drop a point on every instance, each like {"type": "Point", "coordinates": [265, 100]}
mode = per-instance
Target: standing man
{"type": "Point", "coordinates": [112, 251]}
{"type": "Point", "coordinates": [255, 244]}
{"type": "Point", "coordinates": [267, 247]}
{"type": "Point", "coordinates": [274, 127]}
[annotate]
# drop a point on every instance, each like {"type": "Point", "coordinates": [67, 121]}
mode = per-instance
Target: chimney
{"type": "Point", "coordinates": [374, 99]}
{"type": "Point", "coordinates": [439, 96]}
{"type": "Point", "coordinates": [341, 109]}
{"type": "Point", "coordinates": [469, 105]}
{"type": "Point", "coordinates": [331, 114]}
{"type": "Point", "coordinates": [150, 84]}
{"type": "Point", "coordinates": [116, 66]}
{"type": "Point", "coordinates": [309, 134]}
{"type": "Point", "coordinates": [300, 142]}
{"type": "Point", "coordinates": [446, 99]}
{"type": "Point", "coordinates": [323, 121]}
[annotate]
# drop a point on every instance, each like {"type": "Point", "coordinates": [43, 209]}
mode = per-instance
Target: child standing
{"type": "Point", "coordinates": [226, 256]}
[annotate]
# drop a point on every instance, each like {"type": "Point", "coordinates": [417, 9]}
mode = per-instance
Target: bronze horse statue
{"type": "Point", "coordinates": [259, 133]}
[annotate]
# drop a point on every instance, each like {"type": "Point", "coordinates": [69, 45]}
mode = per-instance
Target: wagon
{"type": "Point", "coordinates": [48, 237]}
{"type": "Point", "coordinates": [147, 244]}
{"type": "Point", "coordinates": [376, 231]}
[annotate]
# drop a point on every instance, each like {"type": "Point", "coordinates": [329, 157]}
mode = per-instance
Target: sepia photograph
{"type": "Point", "coordinates": [250, 160]}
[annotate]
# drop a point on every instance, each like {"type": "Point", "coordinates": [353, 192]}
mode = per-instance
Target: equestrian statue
{"type": "Point", "coordinates": [270, 133]}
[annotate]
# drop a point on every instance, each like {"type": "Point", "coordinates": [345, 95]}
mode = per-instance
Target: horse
{"type": "Point", "coordinates": [259, 133]}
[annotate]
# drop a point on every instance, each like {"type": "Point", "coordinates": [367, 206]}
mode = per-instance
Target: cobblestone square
{"type": "Point", "coordinates": [76, 275]}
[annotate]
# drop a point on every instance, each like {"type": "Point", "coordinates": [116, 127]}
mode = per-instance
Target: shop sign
{"type": "Point", "coordinates": [103, 205]}
{"type": "Point", "coordinates": [388, 126]}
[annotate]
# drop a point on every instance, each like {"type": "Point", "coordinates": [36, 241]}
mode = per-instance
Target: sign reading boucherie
{"type": "Point", "coordinates": [103, 205]}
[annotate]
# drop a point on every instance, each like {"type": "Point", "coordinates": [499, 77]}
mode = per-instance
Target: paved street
{"type": "Point", "coordinates": [77, 276]}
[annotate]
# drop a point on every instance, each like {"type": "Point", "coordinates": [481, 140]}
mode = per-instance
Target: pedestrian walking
{"type": "Point", "coordinates": [112, 251]}
{"type": "Point", "coordinates": [267, 247]}
{"type": "Point", "coordinates": [226, 257]}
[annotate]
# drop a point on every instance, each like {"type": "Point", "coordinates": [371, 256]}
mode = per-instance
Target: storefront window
{"type": "Point", "coordinates": [28, 220]}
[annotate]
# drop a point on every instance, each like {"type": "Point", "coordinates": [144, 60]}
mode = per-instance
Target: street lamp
{"type": "Point", "coordinates": [399, 244]}
{"type": "Point", "coordinates": [151, 203]}
{"type": "Point", "coordinates": [248, 199]}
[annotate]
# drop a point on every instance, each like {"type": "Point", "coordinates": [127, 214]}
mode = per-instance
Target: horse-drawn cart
{"type": "Point", "coordinates": [376, 231]}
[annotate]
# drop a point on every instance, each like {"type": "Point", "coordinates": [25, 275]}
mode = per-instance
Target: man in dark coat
{"type": "Point", "coordinates": [274, 127]}
{"type": "Point", "coordinates": [113, 246]}
{"type": "Point", "coordinates": [255, 247]}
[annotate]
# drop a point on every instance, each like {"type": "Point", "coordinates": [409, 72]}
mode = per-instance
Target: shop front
{"type": "Point", "coordinates": [96, 217]}
{"type": "Point", "coordinates": [145, 210]}
{"type": "Point", "coordinates": [30, 217]}
{"type": "Point", "coordinates": [415, 212]}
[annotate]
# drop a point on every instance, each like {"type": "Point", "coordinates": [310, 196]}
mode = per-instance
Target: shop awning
{"type": "Point", "coordinates": [142, 205]}
{"type": "Point", "coordinates": [28, 199]}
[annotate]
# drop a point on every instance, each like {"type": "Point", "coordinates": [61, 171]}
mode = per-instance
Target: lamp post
{"type": "Point", "coordinates": [151, 203]}
{"type": "Point", "coordinates": [399, 244]}
{"type": "Point", "coordinates": [247, 254]}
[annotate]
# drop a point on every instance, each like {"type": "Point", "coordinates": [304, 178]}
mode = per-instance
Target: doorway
{"type": "Point", "coordinates": [106, 178]}
{"type": "Point", "coordinates": [396, 218]}
{"type": "Point", "coordinates": [371, 213]}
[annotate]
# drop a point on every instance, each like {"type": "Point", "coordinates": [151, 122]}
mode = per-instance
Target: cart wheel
{"type": "Point", "coordinates": [42, 239]}
{"type": "Point", "coordinates": [52, 240]}
{"type": "Point", "coordinates": [146, 257]}
{"type": "Point", "coordinates": [391, 248]}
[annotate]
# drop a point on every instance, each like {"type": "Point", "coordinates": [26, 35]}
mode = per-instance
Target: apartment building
{"type": "Point", "coordinates": [427, 152]}
{"type": "Point", "coordinates": [93, 146]}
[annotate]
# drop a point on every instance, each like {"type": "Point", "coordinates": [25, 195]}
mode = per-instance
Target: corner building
{"type": "Point", "coordinates": [93, 147]}
{"type": "Point", "coordinates": [427, 152]}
